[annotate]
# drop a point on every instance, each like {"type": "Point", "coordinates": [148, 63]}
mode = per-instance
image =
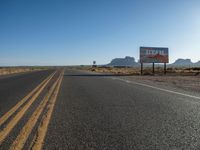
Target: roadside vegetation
{"type": "Point", "coordinates": [171, 71]}
{"type": "Point", "coordinates": [14, 70]}
{"type": "Point", "coordinates": [187, 79]}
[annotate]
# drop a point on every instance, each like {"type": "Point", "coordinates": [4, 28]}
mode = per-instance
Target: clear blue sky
{"type": "Point", "coordinates": [73, 32]}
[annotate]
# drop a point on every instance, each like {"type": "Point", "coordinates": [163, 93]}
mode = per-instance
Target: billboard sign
{"type": "Point", "coordinates": [154, 55]}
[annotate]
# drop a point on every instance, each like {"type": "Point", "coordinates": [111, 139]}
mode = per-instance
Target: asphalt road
{"type": "Point", "coordinates": [101, 112]}
{"type": "Point", "coordinates": [104, 112]}
{"type": "Point", "coordinates": [15, 87]}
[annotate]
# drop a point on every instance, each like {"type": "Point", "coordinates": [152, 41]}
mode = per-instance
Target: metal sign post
{"type": "Point", "coordinates": [94, 64]}
{"type": "Point", "coordinates": [165, 68]}
{"type": "Point", "coordinates": [153, 68]}
{"type": "Point", "coordinates": [141, 69]}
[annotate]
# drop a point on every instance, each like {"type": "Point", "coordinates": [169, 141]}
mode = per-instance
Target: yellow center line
{"type": "Point", "coordinates": [26, 130]}
{"type": "Point", "coordinates": [21, 102]}
{"type": "Point", "coordinates": [4, 133]}
{"type": "Point", "coordinates": [42, 130]}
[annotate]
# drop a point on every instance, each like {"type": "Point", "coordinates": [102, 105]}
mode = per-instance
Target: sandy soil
{"type": "Point", "coordinates": [186, 83]}
{"type": "Point", "coordinates": [147, 71]}
{"type": "Point", "coordinates": [14, 70]}
{"type": "Point", "coordinates": [182, 79]}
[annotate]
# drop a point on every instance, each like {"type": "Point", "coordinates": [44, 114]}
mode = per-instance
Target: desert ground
{"type": "Point", "coordinates": [15, 70]}
{"type": "Point", "coordinates": [183, 79]}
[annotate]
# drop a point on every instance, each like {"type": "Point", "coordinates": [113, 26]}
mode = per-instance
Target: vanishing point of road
{"type": "Point", "coordinates": [68, 109]}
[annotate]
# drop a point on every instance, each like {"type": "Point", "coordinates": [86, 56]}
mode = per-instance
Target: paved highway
{"type": "Point", "coordinates": [15, 87]}
{"type": "Point", "coordinates": [81, 110]}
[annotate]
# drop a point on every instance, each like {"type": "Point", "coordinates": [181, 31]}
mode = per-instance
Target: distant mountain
{"type": "Point", "coordinates": [127, 62]}
{"type": "Point", "coordinates": [185, 63]}
{"type": "Point", "coordinates": [198, 63]}
{"type": "Point", "coordinates": [130, 62]}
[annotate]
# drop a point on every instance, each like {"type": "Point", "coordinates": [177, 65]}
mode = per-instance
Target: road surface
{"type": "Point", "coordinates": [80, 110]}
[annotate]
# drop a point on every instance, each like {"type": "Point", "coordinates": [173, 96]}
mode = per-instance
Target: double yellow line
{"type": "Point", "coordinates": [42, 130]}
{"type": "Point", "coordinates": [47, 102]}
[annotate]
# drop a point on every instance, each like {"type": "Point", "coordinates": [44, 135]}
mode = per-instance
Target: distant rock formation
{"type": "Point", "coordinates": [198, 63]}
{"type": "Point", "coordinates": [183, 62]}
{"type": "Point", "coordinates": [130, 62]}
{"type": "Point", "coordinates": [123, 62]}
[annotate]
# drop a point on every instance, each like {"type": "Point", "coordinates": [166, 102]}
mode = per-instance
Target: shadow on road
{"type": "Point", "coordinates": [96, 75]}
